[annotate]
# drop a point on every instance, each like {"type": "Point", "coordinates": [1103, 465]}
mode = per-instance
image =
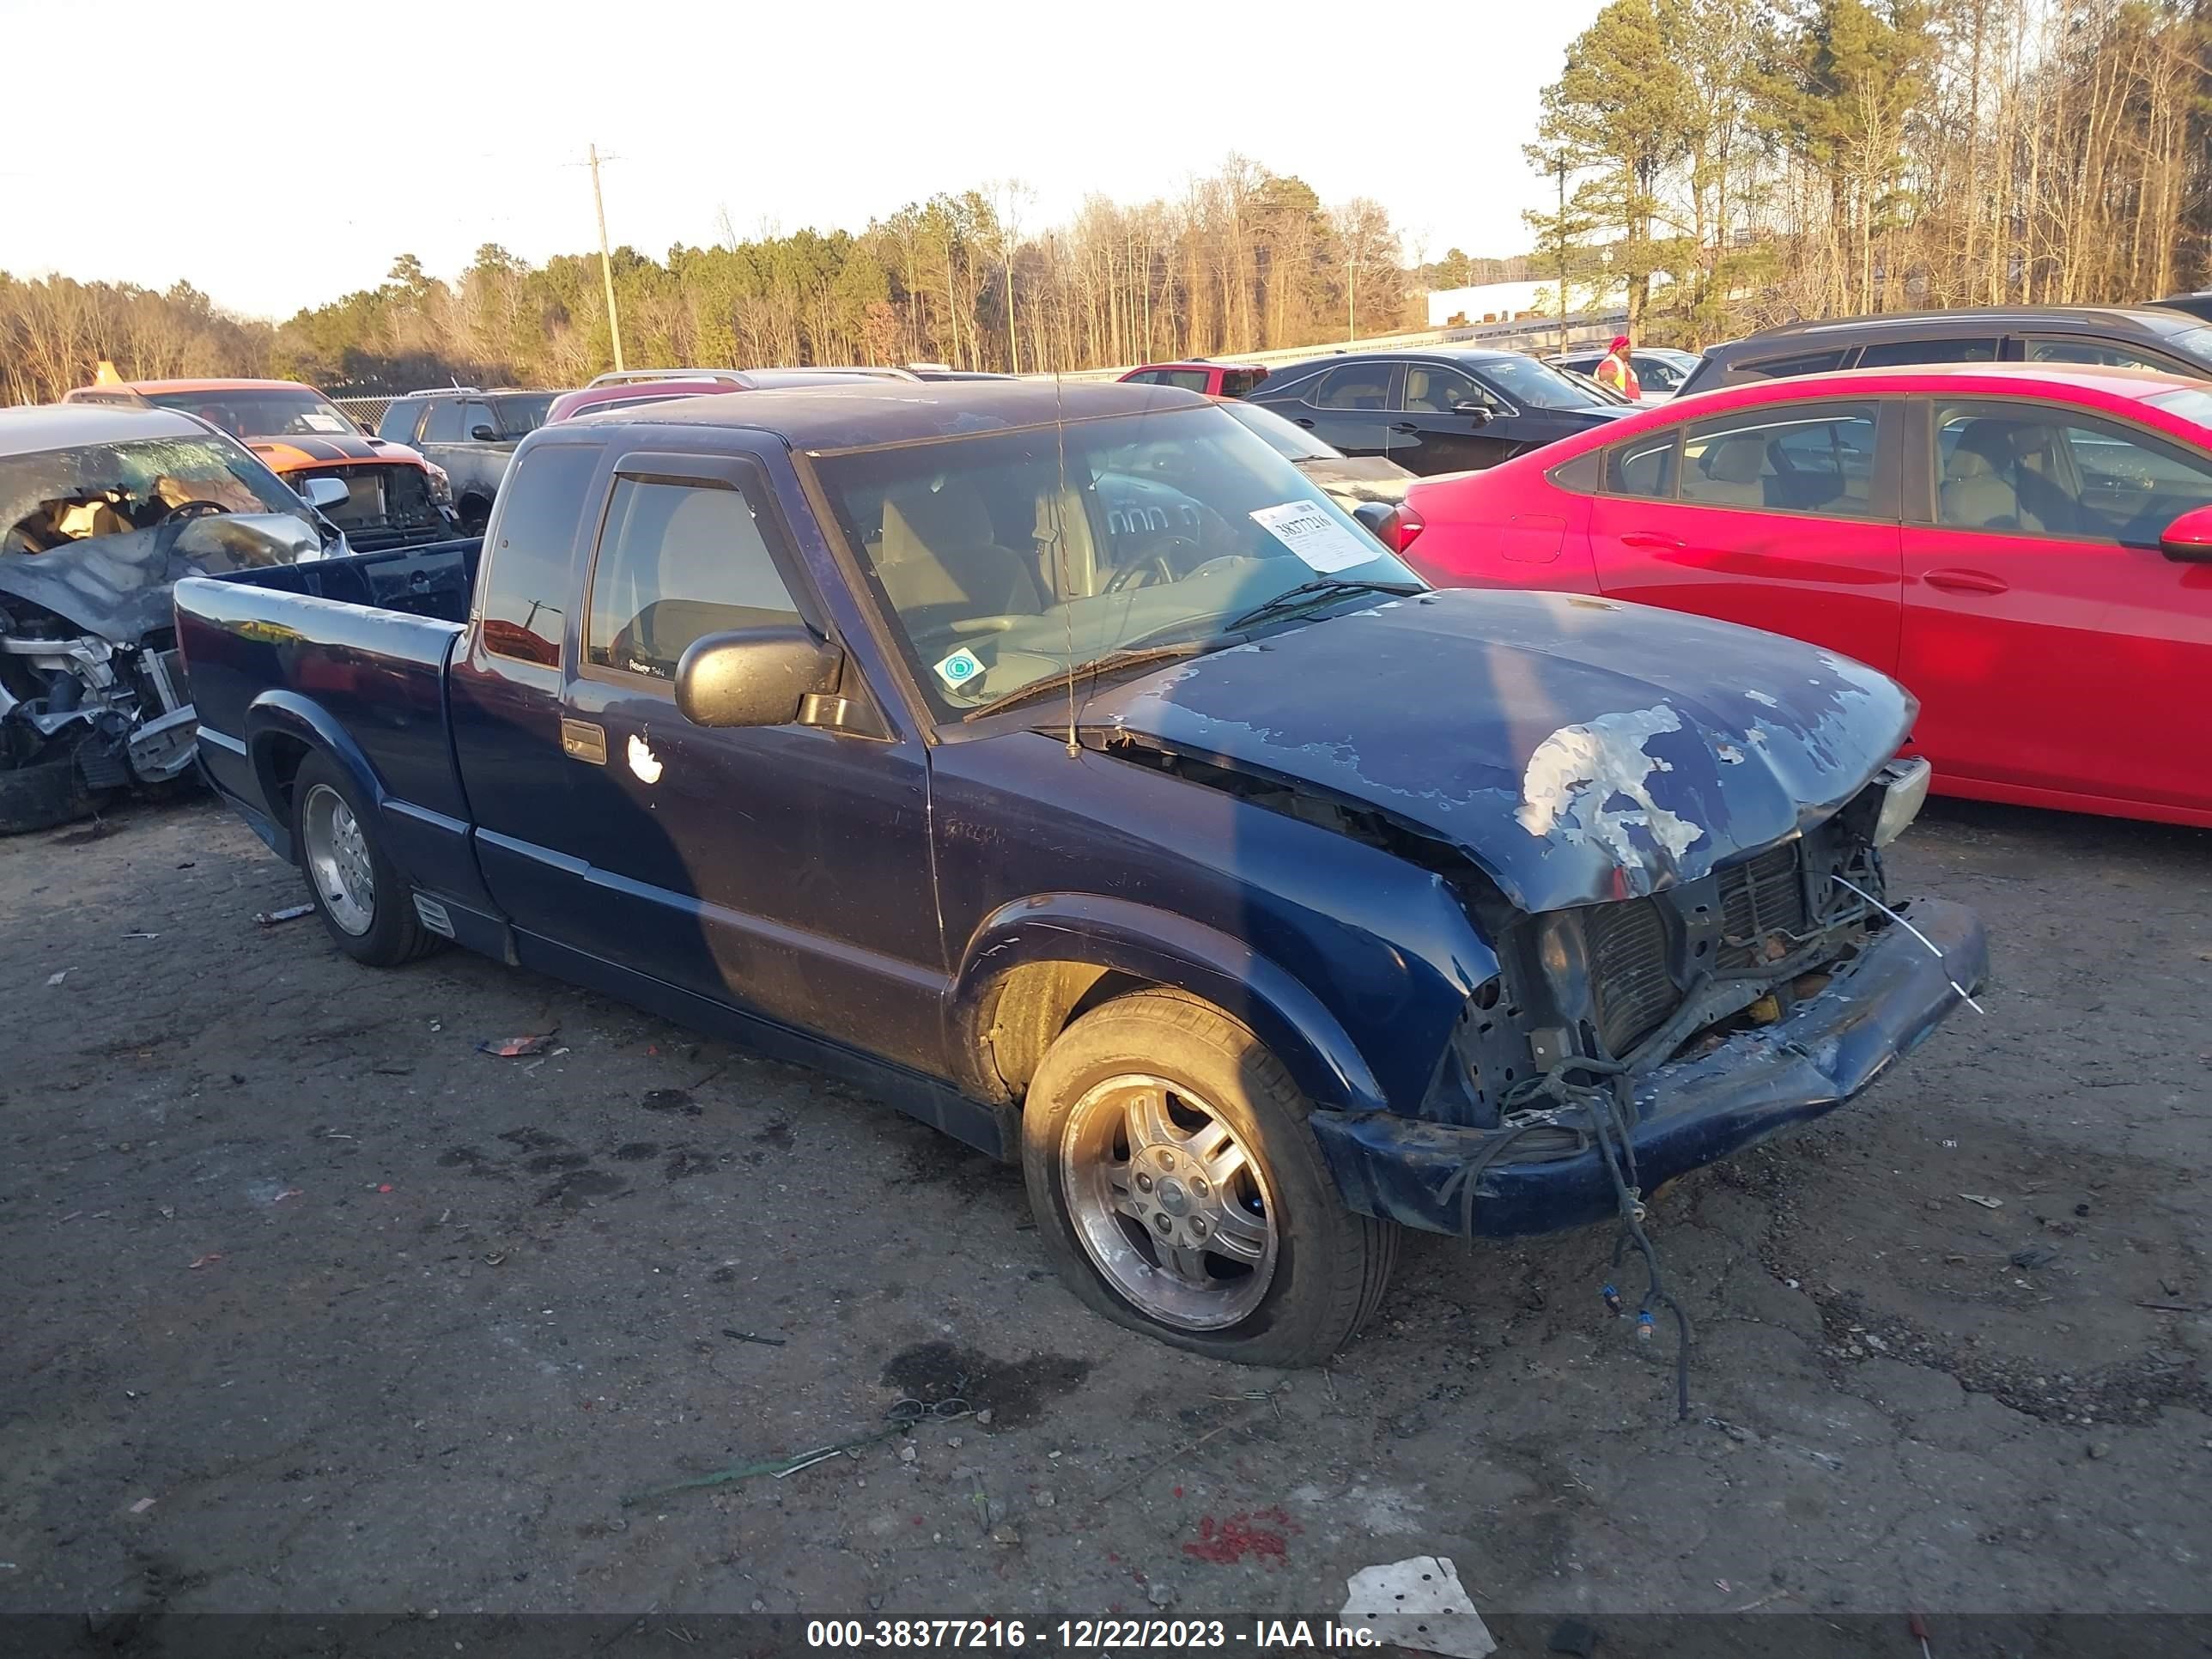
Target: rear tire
{"type": "Point", "coordinates": [365, 904]}
{"type": "Point", "coordinates": [1180, 1192]}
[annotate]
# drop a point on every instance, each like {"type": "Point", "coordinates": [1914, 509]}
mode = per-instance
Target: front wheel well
{"type": "Point", "coordinates": [1034, 1004]}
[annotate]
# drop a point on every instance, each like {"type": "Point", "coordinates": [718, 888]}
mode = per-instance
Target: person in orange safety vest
{"type": "Point", "coordinates": [1617, 372]}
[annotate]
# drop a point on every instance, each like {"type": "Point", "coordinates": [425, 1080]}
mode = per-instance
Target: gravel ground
{"type": "Point", "coordinates": [316, 1309]}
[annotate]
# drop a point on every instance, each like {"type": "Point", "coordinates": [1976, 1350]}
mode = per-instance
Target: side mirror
{"type": "Point", "coordinates": [1377, 516]}
{"type": "Point", "coordinates": [755, 676]}
{"type": "Point", "coordinates": [324, 493]}
{"type": "Point", "coordinates": [482, 433]}
{"type": "Point", "coordinates": [2188, 539]}
{"type": "Point", "coordinates": [1479, 413]}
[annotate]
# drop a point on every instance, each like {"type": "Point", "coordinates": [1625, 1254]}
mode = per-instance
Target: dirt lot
{"type": "Point", "coordinates": [313, 1307]}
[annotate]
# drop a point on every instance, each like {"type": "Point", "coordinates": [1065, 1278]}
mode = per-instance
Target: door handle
{"type": "Point", "coordinates": [1305, 423]}
{"type": "Point", "coordinates": [1407, 427]}
{"type": "Point", "coordinates": [584, 741]}
{"type": "Point", "coordinates": [1652, 538]}
{"type": "Point", "coordinates": [1963, 582]}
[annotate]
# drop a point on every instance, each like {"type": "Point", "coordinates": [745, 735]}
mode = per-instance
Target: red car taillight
{"type": "Point", "coordinates": [1404, 524]}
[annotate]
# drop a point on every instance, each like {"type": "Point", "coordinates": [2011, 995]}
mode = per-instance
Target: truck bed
{"type": "Point", "coordinates": [351, 652]}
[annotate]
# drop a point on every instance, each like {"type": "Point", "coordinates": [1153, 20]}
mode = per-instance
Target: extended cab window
{"type": "Point", "coordinates": [444, 426]}
{"type": "Point", "coordinates": [677, 561]}
{"type": "Point", "coordinates": [526, 586]}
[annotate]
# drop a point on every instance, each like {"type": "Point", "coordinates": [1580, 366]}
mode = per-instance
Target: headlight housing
{"type": "Point", "coordinates": [1903, 784]}
{"type": "Point", "coordinates": [441, 487]}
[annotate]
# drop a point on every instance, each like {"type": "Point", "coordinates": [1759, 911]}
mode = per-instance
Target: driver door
{"type": "Point", "coordinates": [785, 871]}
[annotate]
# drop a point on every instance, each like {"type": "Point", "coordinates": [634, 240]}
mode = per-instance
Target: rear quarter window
{"type": "Point", "coordinates": [528, 579]}
{"type": "Point", "coordinates": [399, 422]}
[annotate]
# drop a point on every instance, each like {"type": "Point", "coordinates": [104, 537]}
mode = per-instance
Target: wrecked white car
{"type": "Point", "coordinates": [100, 511]}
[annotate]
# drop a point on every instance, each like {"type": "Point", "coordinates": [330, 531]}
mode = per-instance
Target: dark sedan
{"type": "Point", "coordinates": [1436, 410]}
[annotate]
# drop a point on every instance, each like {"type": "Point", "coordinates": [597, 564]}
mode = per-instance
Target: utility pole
{"type": "Point", "coordinates": [606, 260]}
{"type": "Point", "coordinates": [1563, 250]}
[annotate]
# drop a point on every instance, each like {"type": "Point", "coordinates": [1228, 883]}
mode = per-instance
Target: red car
{"type": "Point", "coordinates": [1214, 380]}
{"type": "Point", "coordinates": [2029, 550]}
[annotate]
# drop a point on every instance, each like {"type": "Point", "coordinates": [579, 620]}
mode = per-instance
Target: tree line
{"type": "Point", "coordinates": [1730, 163]}
{"type": "Point", "coordinates": [1243, 260]}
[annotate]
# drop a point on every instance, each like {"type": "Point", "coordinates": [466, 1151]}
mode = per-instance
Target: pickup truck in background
{"type": "Point", "coordinates": [469, 432]}
{"type": "Point", "coordinates": [1258, 899]}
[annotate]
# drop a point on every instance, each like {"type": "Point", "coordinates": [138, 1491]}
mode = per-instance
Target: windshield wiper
{"type": "Point", "coordinates": [1120, 657]}
{"type": "Point", "coordinates": [1291, 598]}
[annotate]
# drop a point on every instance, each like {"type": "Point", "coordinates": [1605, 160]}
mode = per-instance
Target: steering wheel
{"type": "Point", "coordinates": [1154, 566]}
{"type": "Point", "coordinates": [185, 512]}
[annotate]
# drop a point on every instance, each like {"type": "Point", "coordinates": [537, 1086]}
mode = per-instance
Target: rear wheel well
{"type": "Point", "coordinates": [1035, 1003]}
{"type": "Point", "coordinates": [286, 754]}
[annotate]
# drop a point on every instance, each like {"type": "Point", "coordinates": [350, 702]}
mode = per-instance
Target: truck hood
{"type": "Point", "coordinates": [297, 452]}
{"type": "Point", "coordinates": [1577, 750]}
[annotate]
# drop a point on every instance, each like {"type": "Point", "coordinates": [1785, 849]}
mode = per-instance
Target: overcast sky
{"type": "Point", "coordinates": [279, 156]}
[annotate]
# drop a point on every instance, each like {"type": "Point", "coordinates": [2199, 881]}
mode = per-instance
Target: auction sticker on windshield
{"type": "Point", "coordinates": [1307, 530]}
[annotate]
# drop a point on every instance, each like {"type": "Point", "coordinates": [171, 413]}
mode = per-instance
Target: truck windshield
{"type": "Point", "coordinates": [263, 411]}
{"type": "Point", "coordinates": [63, 495]}
{"type": "Point", "coordinates": [1006, 558]}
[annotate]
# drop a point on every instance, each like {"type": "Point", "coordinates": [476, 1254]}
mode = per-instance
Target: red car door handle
{"type": "Point", "coordinates": [1963, 582]}
{"type": "Point", "coordinates": [1652, 538]}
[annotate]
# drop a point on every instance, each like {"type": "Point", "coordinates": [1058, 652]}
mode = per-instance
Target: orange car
{"type": "Point", "coordinates": [394, 498]}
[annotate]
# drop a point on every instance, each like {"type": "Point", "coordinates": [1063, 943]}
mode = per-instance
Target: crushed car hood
{"type": "Point", "coordinates": [1577, 750]}
{"type": "Point", "coordinates": [117, 586]}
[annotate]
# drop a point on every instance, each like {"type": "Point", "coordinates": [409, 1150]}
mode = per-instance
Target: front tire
{"type": "Point", "coordinates": [1180, 1192]}
{"type": "Point", "coordinates": [365, 904]}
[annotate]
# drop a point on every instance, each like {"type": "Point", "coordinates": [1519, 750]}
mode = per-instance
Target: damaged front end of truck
{"type": "Point", "coordinates": [1678, 875]}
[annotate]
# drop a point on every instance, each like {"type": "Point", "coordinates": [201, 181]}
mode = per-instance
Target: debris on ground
{"type": "Point", "coordinates": [142, 1506]}
{"type": "Point", "coordinates": [289, 913]}
{"type": "Point", "coordinates": [778, 1467]}
{"type": "Point", "coordinates": [142, 936]}
{"type": "Point", "coordinates": [208, 1259]}
{"type": "Point", "coordinates": [1986, 1202]}
{"type": "Point", "coordinates": [749, 1336]}
{"type": "Point", "coordinates": [1417, 1603]}
{"type": "Point", "coordinates": [514, 1048]}
{"type": "Point", "coordinates": [1573, 1636]}
{"type": "Point", "coordinates": [56, 978]}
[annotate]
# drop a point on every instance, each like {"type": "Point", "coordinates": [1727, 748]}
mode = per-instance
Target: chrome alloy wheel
{"type": "Point", "coordinates": [1168, 1204]}
{"type": "Point", "coordinates": [337, 859]}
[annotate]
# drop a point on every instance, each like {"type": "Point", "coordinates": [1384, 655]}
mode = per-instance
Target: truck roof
{"type": "Point", "coordinates": [867, 414]}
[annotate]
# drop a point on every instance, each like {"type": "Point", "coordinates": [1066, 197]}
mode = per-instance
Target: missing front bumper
{"type": "Point", "coordinates": [1689, 1113]}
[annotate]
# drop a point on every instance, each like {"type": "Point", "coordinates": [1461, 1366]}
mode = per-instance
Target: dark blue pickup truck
{"type": "Point", "coordinates": [1059, 763]}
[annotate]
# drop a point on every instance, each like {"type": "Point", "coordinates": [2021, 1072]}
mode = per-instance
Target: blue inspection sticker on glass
{"type": "Point", "coordinates": [961, 667]}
